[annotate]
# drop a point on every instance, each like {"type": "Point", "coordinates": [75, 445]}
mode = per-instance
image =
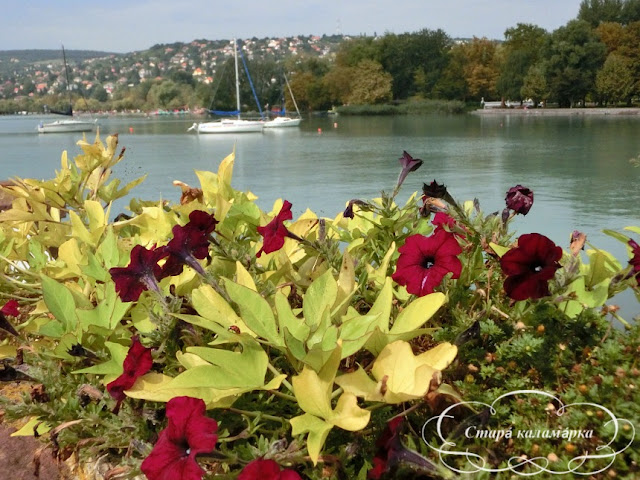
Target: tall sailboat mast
{"type": "Point", "coordinates": [235, 57]}
{"type": "Point", "coordinates": [66, 73]}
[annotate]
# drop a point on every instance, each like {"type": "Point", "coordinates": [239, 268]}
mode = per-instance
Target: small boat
{"type": "Point", "coordinates": [67, 125]}
{"type": "Point", "coordinates": [282, 122]}
{"type": "Point", "coordinates": [230, 125]}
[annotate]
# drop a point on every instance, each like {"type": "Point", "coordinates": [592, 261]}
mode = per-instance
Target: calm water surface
{"type": "Point", "coordinates": [578, 167]}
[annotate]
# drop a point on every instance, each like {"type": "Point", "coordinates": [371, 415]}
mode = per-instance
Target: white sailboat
{"type": "Point", "coordinates": [230, 125]}
{"type": "Point", "coordinates": [281, 122]}
{"type": "Point", "coordinates": [66, 125]}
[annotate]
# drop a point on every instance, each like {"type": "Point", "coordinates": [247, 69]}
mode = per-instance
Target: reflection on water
{"type": "Point", "coordinates": [578, 167]}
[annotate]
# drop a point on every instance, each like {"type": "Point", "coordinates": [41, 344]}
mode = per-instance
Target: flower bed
{"type": "Point", "coordinates": [209, 338]}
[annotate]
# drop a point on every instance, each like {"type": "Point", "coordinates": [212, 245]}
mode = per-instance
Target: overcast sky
{"type": "Point", "coordinates": [124, 26]}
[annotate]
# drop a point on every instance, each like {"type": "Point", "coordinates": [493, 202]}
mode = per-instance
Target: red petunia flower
{"type": "Point", "coordinates": [260, 469]}
{"type": "Point", "coordinates": [140, 274]}
{"type": "Point", "coordinates": [137, 362]}
{"type": "Point", "coordinates": [275, 232]}
{"type": "Point", "coordinates": [188, 434]}
{"type": "Point", "coordinates": [424, 261]}
{"type": "Point", "coordinates": [519, 199]}
{"type": "Point", "coordinates": [635, 259]}
{"type": "Point", "coordinates": [9, 308]}
{"type": "Point", "coordinates": [530, 266]}
{"type": "Point", "coordinates": [440, 220]}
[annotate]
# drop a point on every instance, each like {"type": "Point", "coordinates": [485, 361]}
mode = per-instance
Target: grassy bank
{"type": "Point", "coordinates": [414, 107]}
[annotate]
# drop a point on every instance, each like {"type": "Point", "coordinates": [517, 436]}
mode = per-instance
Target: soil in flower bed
{"type": "Point", "coordinates": [23, 458]}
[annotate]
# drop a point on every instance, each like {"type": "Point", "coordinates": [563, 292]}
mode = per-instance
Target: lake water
{"type": "Point", "coordinates": [577, 166]}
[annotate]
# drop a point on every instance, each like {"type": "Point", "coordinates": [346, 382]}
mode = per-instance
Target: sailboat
{"type": "Point", "coordinates": [284, 121]}
{"type": "Point", "coordinates": [67, 125]}
{"type": "Point", "coordinates": [230, 125]}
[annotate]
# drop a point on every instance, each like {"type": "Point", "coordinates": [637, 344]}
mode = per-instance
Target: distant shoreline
{"type": "Point", "coordinates": [557, 112]}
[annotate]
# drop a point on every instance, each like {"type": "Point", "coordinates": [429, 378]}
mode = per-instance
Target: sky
{"type": "Point", "coordinates": [124, 26]}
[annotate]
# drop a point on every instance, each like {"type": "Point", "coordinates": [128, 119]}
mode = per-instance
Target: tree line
{"type": "Point", "coordinates": [594, 58]}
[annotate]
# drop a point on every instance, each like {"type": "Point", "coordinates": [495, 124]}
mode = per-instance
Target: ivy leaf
{"type": "Point", "coordinates": [320, 297]}
{"type": "Point", "coordinates": [59, 301]}
{"type": "Point", "coordinates": [256, 312]}
{"type": "Point", "coordinates": [399, 375]}
{"type": "Point", "coordinates": [418, 312]}
{"type": "Point", "coordinates": [313, 392]}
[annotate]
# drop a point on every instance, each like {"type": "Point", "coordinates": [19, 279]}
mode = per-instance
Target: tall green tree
{"type": "Point", "coordinates": [574, 56]}
{"type": "Point", "coordinates": [452, 84]}
{"type": "Point", "coordinates": [596, 11]}
{"type": "Point", "coordinates": [370, 84]}
{"type": "Point", "coordinates": [534, 84]}
{"type": "Point", "coordinates": [521, 49]}
{"type": "Point", "coordinates": [615, 81]}
{"type": "Point", "coordinates": [404, 55]}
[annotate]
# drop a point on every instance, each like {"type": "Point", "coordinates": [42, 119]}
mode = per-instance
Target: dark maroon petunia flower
{"type": "Point", "coordinates": [409, 164]}
{"type": "Point", "coordinates": [10, 308]}
{"type": "Point", "coordinates": [140, 274]}
{"type": "Point", "coordinates": [424, 261]}
{"type": "Point", "coordinates": [390, 451]}
{"type": "Point", "coordinates": [275, 232]}
{"type": "Point", "coordinates": [530, 266]}
{"type": "Point", "coordinates": [260, 469]}
{"type": "Point", "coordinates": [203, 221]}
{"type": "Point", "coordinates": [189, 243]}
{"type": "Point", "coordinates": [137, 362]}
{"type": "Point", "coordinates": [188, 434]}
{"type": "Point", "coordinates": [348, 212]}
{"type": "Point", "coordinates": [635, 259]}
{"type": "Point", "coordinates": [519, 199]}
{"type": "Point", "coordinates": [435, 190]}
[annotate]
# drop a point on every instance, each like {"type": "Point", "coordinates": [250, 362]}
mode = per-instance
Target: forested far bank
{"type": "Point", "coordinates": [593, 59]}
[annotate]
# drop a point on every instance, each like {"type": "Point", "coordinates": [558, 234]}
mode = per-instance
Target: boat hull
{"type": "Point", "coordinates": [283, 122]}
{"type": "Point", "coordinates": [66, 126]}
{"type": "Point", "coordinates": [230, 126]}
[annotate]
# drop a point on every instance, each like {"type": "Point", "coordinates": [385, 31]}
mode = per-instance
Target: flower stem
{"type": "Point", "coordinates": [275, 371]}
{"type": "Point", "coordinates": [257, 415]}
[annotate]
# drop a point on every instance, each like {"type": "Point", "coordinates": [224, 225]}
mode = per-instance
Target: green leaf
{"type": "Point", "coordinates": [212, 307]}
{"type": "Point", "coordinates": [320, 296]}
{"type": "Point", "coordinates": [33, 425]}
{"type": "Point", "coordinates": [382, 305]}
{"type": "Point", "coordinates": [418, 313]}
{"type": "Point", "coordinates": [286, 319]}
{"type": "Point", "coordinates": [616, 235]}
{"type": "Point", "coordinates": [499, 249]}
{"type": "Point", "coordinates": [256, 312]}
{"type": "Point", "coordinates": [112, 368]}
{"type": "Point", "coordinates": [59, 301]}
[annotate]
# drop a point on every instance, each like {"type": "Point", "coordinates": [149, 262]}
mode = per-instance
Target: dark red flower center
{"type": "Point", "coordinates": [536, 267]}
{"type": "Point", "coordinates": [428, 262]}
